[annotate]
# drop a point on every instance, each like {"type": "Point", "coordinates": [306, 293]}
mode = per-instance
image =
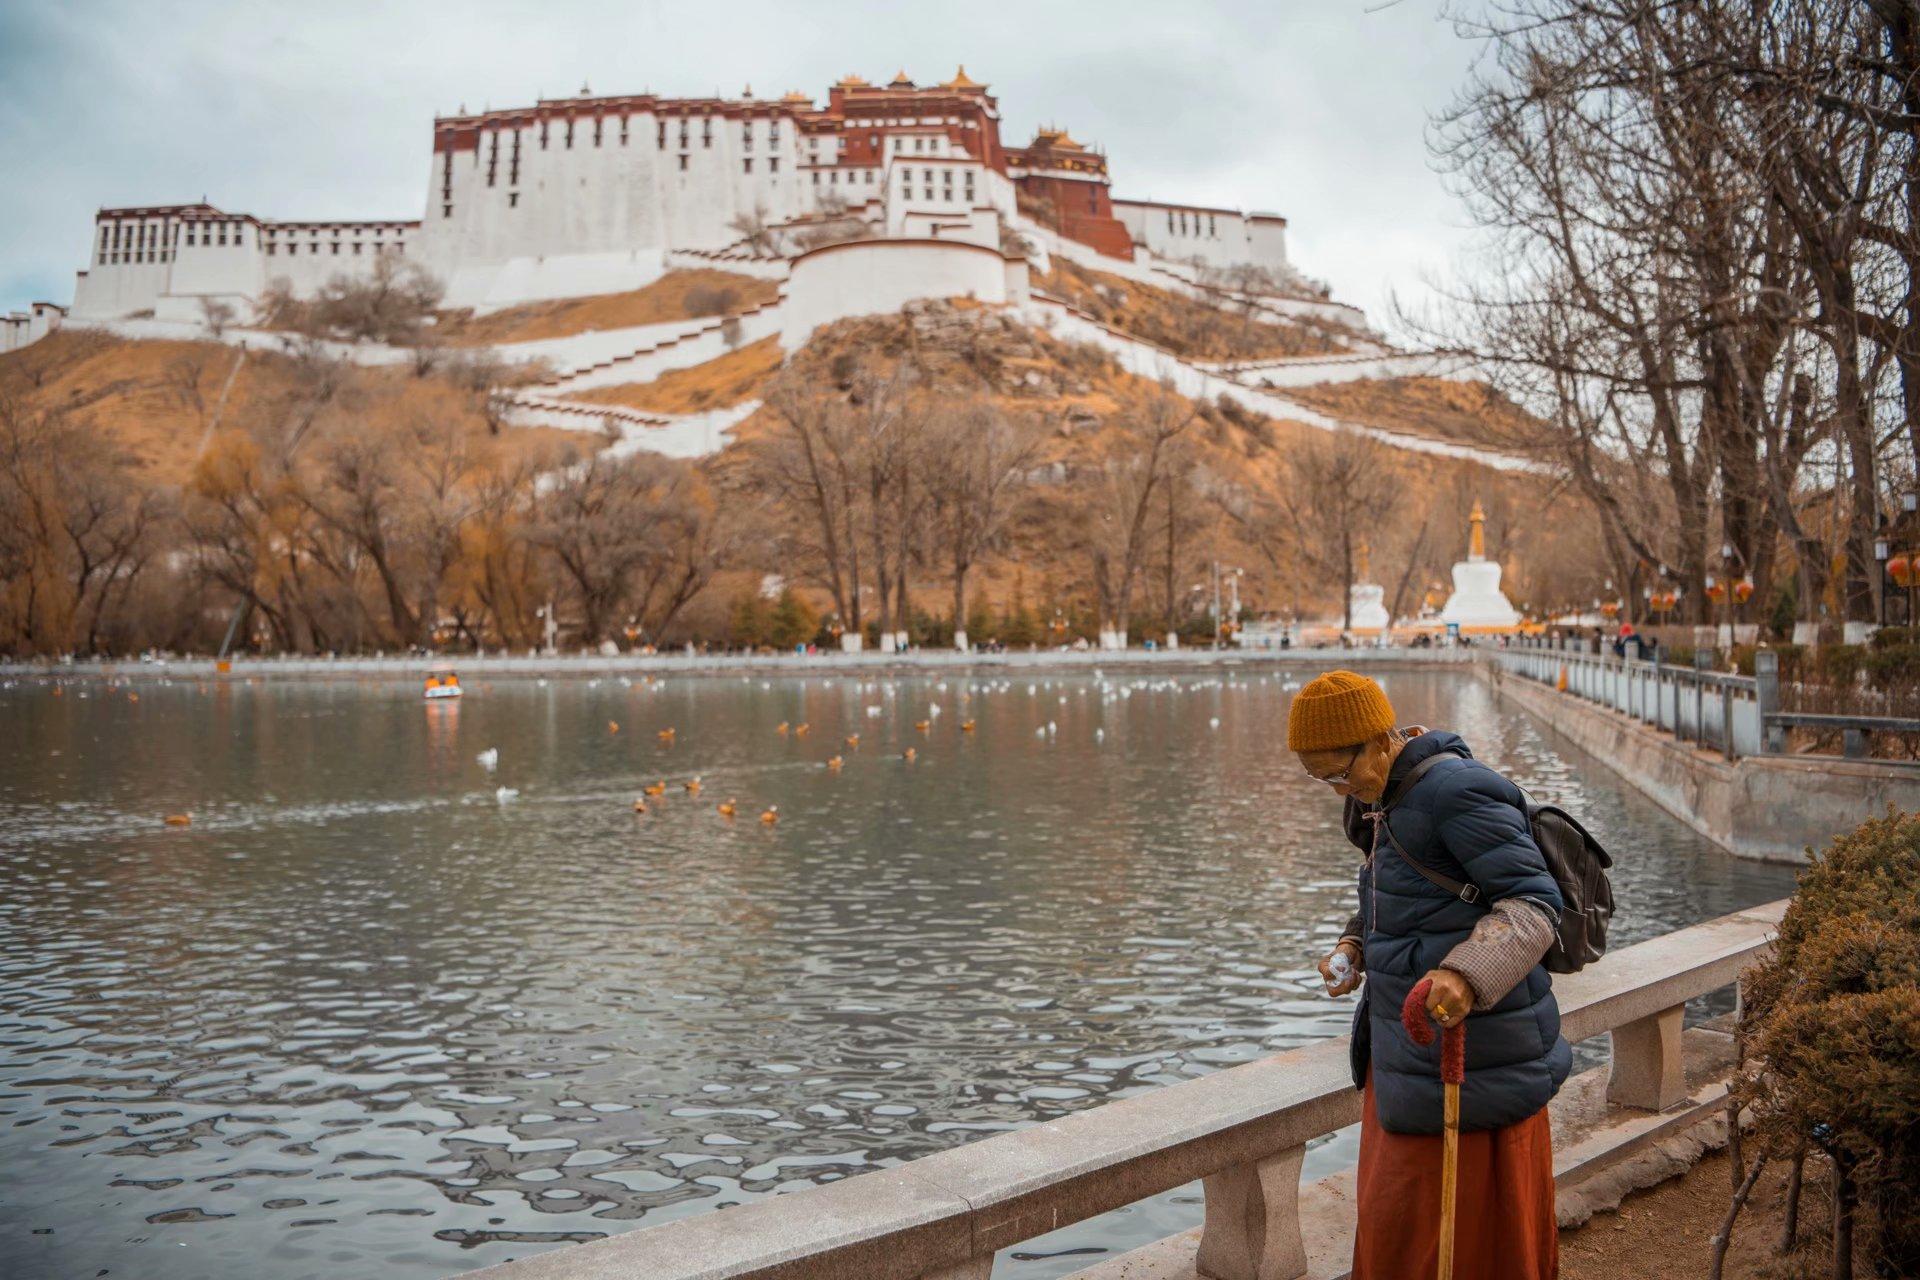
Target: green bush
{"type": "Point", "coordinates": [1833, 1020]}
{"type": "Point", "coordinates": [1792, 658]}
{"type": "Point", "coordinates": [1840, 663]}
{"type": "Point", "coordinates": [1892, 664]}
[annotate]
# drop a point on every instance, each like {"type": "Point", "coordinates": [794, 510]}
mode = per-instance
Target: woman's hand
{"type": "Point", "coordinates": [1340, 983]}
{"type": "Point", "coordinates": [1450, 999]}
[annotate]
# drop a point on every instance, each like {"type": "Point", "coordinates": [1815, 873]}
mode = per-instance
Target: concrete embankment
{"type": "Point", "coordinates": [1765, 807]}
{"type": "Point", "coordinates": [1303, 662]}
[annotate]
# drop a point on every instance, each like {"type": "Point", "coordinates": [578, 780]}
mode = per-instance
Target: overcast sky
{"type": "Point", "coordinates": [1314, 109]}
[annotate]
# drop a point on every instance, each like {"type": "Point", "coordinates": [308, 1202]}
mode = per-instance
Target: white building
{"type": "Point", "coordinates": [590, 194]}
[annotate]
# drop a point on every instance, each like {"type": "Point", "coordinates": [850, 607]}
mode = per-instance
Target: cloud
{"type": "Point", "coordinates": [1312, 108]}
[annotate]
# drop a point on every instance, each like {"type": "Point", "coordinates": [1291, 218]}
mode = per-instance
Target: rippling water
{"type": "Point", "coordinates": [366, 1017]}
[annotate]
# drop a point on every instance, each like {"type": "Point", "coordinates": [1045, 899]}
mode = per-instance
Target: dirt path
{"type": "Point", "coordinates": [1666, 1233]}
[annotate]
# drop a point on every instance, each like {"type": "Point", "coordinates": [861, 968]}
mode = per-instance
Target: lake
{"type": "Point", "coordinates": [368, 1014]}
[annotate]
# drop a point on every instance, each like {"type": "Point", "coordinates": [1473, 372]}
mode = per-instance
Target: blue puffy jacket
{"type": "Point", "coordinates": [1464, 820]}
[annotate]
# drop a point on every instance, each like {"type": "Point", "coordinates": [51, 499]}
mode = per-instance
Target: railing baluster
{"type": "Point", "coordinates": [1766, 685]}
{"type": "Point", "coordinates": [1649, 1071]}
{"type": "Point", "coordinates": [1252, 1229]}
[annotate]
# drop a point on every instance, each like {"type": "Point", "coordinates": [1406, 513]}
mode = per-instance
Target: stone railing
{"type": "Point", "coordinates": [1241, 1131]}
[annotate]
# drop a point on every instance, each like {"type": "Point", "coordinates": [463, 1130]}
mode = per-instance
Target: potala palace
{"type": "Point", "coordinates": [591, 194]}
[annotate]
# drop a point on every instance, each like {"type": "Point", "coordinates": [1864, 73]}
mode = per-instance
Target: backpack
{"type": "Point", "coordinates": [1576, 861]}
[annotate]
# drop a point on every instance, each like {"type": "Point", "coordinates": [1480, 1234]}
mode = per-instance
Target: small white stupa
{"type": "Point", "coordinates": [1477, 603]}
{"type": "Point", "coordinates": [1366, 602]}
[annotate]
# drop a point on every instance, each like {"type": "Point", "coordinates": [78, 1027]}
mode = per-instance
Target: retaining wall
{"type": "Point", "coordinates": [1766, 807]}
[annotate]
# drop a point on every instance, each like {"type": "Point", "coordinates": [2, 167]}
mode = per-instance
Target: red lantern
{"type": "Point", "coordinates": [1716, 591]}
{"type": "Point", "coordinates": [1743, 591]}
{"type": "Point", "coordinates": [1611, 608]}
{"type": "Point", "coordinates": [1902, 569]}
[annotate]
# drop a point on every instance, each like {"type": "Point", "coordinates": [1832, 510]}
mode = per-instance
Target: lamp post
{"type": "Point", "coordinates": [1881, 549]}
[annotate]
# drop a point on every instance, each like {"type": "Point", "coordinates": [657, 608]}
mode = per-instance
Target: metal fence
{"type": "Point", "coordinates": [1689, 702]}
{"type": "Point", "coordinates": [1737, 715]}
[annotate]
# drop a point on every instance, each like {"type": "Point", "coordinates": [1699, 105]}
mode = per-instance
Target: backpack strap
{"type": "Point", "coordinates": [1467, 891]}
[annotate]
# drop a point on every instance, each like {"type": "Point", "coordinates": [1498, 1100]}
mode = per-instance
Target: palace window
{"type": "Point", "coordinates": [773, 164]}
{"type": "Point", "coordinates": [1213, 227]}
{"type": "Point", "coordinates": [270, 248]}
{"type": "Point", "coordinates": [746, 166]}
{"type": "Point", "coordinates": [446, 211]}
{"type": "Point", "coordinates": [746, 137]}
{"type": "Point", "coordinates": [683, 162]}
{"type": "Point", "coordinates": [833, 177]}
{"type": "Point", "coordinates": [597, 123]}
{"type": "Point", "coordinates": [569, 133]}
{"type": "Point", "coordinates": [816, 177]}
{"type": "Point", "coordinates": [336, 248]}
{"type": "Point", "coordinates": [513, 199]}
{"type": "Point", "coordinates": [543, 135]}
{"type": "Point", "coordinates": [869, 177]}
{"type": "Point", "coordinates": [356, 248]}
{"type": "Point", "coordinates": [773, 134]}
{"type": "Point", "coordinates": [660, 136]}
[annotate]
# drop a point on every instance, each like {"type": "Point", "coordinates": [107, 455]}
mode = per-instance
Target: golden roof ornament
{"type": "Point", "coordinates": [1477, 540]}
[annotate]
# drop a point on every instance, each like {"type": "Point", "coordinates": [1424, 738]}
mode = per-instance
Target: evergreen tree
{"type": "Point", "coordinates": [750, 624]}
{"type": "Point", "coordinates": [792, 622]}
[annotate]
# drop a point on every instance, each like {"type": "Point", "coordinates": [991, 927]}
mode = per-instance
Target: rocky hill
{"type": "Point", "coordinates": [369, 496]}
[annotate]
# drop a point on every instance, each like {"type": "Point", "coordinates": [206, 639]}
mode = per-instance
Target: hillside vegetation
{"type": "Point", "coordinates": [1439, 408]}
{"type": "Point", "coordinates": [980, 472]}
{"type": "Point", "coordinates": [678, 295]}
{"type": "Point", "coordinates": [1185, 325]}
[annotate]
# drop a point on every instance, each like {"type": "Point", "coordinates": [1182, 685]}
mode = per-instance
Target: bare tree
{"type": "Point", "coordinates": [810, 463]}
{"type": "Point", "coordinates": [980, 464]}
{"type": "Point", "coordinates": [217, 314]}
{"type": "Point", "coordinates": [1117, 527]}
{"type": "Point", "coordinates": [1339, 486]}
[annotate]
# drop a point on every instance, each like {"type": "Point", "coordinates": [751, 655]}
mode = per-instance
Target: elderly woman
{"type": "Point", "coordinates": [1416, 802]}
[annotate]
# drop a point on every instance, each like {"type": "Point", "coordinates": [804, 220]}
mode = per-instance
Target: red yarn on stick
{"type": "Point", "coordinates": [1453, 1040]}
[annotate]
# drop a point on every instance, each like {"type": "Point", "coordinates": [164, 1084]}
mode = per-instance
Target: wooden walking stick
{"type": "Point", "coordinates": [1453, 1072]}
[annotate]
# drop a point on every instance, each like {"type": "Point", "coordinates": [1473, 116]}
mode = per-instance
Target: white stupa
{"type": "Point", "coordinates": [1477, 603]}
{"type": "Point", "coordinates": [1367, 602]}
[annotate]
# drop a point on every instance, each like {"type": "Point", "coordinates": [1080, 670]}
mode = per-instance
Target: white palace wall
{"type": "Point", "coordinates": [877, 277]}
{"type": "Point", "coordinates": [613, 194]}
{"type": "Point", "coordinates": [1217, 237]}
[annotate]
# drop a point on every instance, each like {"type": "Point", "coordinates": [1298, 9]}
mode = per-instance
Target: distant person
{"type": "Point", "coordinates": [1416, 798]}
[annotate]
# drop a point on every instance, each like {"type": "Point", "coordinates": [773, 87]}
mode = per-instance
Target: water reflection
{"type": "Point", "coordinates": [361, 1016]}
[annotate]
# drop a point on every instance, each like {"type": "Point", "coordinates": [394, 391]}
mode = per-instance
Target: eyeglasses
{"type": "Point", "coordinates": [1335, 779]}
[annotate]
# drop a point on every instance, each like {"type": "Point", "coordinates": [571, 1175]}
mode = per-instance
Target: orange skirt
{"type": "Point", "coordinates": [1504, 1228]}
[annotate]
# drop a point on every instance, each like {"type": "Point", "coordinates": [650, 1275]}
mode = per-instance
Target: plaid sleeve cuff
{"type": "Point", "coordinates": [1502, 949]}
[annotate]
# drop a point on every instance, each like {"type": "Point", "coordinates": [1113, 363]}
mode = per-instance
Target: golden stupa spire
{"type": "Point", "coordinates": [1477, 543]}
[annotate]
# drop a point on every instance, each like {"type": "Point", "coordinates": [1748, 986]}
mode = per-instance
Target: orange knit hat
{"type": "Point", "coordinates": [1338, 709]}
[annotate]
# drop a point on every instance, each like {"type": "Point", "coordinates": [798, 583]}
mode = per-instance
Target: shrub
{"type": "Point", "coordinates": [1834, 1017]}
{"type": "Point", "coordinates": [1840, 663]}
{"type": "Point", "coordinates": [711, 300]}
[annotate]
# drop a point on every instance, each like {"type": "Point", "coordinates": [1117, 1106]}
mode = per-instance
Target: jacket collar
{"type": "Point", "coordinates": [1425, 743]}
